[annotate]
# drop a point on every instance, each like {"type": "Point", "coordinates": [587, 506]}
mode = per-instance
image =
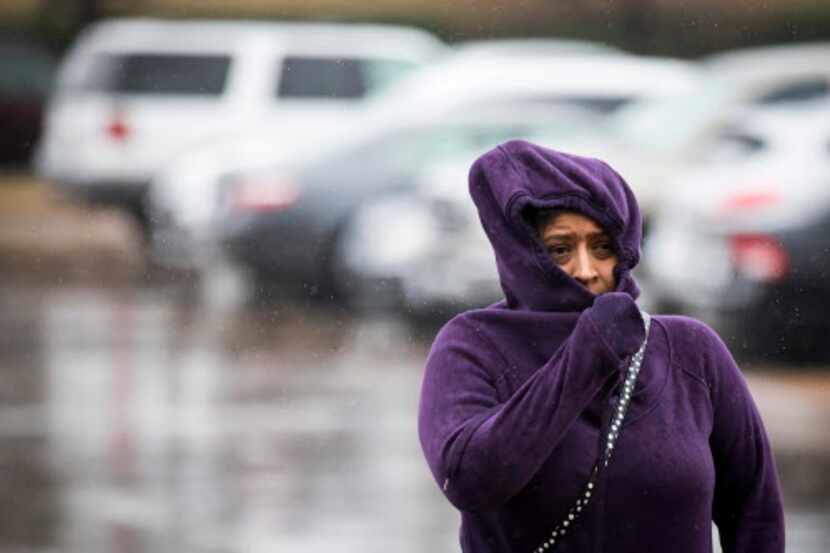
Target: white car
{"type": "Point", "coordinates": [132, 94]}
{"type": "Point", "coordinates": [478, 78]}
{"type": "Point", "coordinates": [183, 196]}
{"type": "Point", "coordinates": [775, 74]}
{"type": "Point", "coordinates": [652, 140]}
{"type": "Point", "coordinates": [607, 83]}
{"type": "Point", "coordinates": [766, 177]}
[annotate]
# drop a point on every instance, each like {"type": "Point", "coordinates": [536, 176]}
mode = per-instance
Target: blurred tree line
{"type": "Point", "coordinates": [664, 27]}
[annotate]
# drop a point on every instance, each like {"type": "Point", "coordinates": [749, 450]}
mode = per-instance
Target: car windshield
{"type": "Point", "coordinates": [150, 73]}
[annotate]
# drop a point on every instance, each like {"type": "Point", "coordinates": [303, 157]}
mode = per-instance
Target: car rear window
{"type": "Point", "coordinates": [336, 77]}
{"type": "Point", "coordinates": [159, 74]}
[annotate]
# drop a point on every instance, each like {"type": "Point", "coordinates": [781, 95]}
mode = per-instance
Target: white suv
{"type": "Point", "coordinates": [132, 93]}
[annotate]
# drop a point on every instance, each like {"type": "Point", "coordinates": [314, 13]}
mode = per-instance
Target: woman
{"type": "Point", "coordinates": [520, 399]}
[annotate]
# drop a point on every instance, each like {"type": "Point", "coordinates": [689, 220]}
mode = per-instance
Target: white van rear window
{"type": "Point", "coordinates": [190, 74]}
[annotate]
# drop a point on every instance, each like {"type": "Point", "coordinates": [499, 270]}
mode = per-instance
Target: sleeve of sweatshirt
{"type": "Point", "coordinates": [482, 451]}
{"type": "Point", "coordinates": [747, 504]}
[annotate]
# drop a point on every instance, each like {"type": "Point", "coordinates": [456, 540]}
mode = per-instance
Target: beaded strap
{"type": "Point", "coordinates": [620, 408]}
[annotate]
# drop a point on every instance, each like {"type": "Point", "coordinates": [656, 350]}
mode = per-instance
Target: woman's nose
{"type": "Point", "coordinates": [584, 270]}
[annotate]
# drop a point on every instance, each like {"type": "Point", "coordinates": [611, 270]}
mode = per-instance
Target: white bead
{"type": "Point", "coordinates": [565, 524]}
{"type": "Point", "coordinates": [590, 485]}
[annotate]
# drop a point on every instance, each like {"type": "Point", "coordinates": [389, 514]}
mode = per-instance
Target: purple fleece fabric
{"type": "Point", "coordinates": [516, 396]}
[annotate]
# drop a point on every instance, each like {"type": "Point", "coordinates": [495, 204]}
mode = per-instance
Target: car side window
{"type": "Point", "coordinates": [320, 77]}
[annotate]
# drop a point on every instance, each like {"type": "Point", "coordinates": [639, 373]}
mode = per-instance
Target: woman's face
{"type": "Point", "coordinates": [581, 248]}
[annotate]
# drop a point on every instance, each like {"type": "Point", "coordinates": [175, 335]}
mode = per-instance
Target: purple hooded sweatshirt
{"type": "Point", "coordinates": [516, 397]}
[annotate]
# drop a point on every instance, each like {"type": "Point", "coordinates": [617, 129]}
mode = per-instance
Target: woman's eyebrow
{"type": "Point", "coordinates": [560, 234]}
{"type": "Point", "coordinates": [567, 234]}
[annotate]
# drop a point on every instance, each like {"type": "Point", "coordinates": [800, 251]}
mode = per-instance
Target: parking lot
{"type": "Point", "coordinates": [137, 417]}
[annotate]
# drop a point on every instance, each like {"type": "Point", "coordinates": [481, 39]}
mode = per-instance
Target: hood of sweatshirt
{"type": "Point", "coordinates": [517, 177]}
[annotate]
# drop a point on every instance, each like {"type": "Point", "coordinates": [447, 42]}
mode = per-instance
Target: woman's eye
{"type": "Point", "coordinates": [603, 250]}
{"type": "Point", "coordinates": [559, 252]}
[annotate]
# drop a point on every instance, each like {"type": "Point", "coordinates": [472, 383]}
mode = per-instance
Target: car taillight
{"type": "Point", "coordinates": [739, 204]}
{"type": "Point", "coordinates": [117, 129]}
{"type": "Point", "coordinates": [759, 257]}
{"type": "Point", "coordinates": [263, 195]}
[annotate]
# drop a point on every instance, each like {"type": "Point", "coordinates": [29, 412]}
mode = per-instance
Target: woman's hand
{"type": "Point", "coordinates": [618, 322]}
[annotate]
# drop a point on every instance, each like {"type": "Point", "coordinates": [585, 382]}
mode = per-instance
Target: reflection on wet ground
{"type": "Point", "coordinates": [131, 422]}
{"type": "Point", "coordinates": [134, 422]}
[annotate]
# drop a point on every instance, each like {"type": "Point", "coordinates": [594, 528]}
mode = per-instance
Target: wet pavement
{"type": "Point", "coordinates": [131, 422]}
{"type": "Point", "coordinates": [144, 415]}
